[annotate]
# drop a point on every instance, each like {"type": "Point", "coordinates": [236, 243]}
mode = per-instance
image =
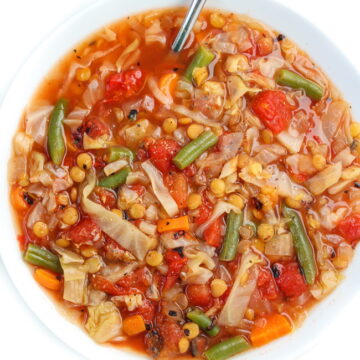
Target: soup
{"type": "Point", "coordinates": [193, 204]}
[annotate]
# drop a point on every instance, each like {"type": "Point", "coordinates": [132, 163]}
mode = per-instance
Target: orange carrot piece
{"type": "Point", "coordinates": [176, 224]}
{"type": "Point", "coordinates": [17, 198]}
{"type": "Point", "coordinates": [134, 325]}
{"type": "Point", "coordinates": [47, 279]}
{"type": "Point", "coordinates": [179, 190]}
{"type": "Point", "coordinates": [167, 83]}
{"type": "Point", "coordinates": [276, 326]}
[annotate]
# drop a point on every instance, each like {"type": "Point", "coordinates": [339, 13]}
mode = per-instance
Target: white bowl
{"type": "Point", "coordinates": [50, 51]}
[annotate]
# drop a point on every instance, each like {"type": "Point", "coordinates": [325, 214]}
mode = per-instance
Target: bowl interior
{"type": "Point", "coordinates": [308, 37]}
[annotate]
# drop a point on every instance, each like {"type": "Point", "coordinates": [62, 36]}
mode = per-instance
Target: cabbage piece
{"type": "Point", "coordinates": [125, 55]}
{"type": "Point", "coordinates": [244, 285]}
{"type": "Point", "coordinates": [134, 134]}
{"type": "Point", "coordinates": [237, 88]}
{"type": "Point", "coordinates": [160, 190]}
{"type": "Point", "coordinates": [75, 276]}
{"type": "Point", "coordinates": [100, 142]}
{"type": "Point", "coordinates": [104, 322]}
{"type": "Point", "coordinates": [36, 123]}
{"type": "Point", "coordinates": [345, 156]}
{"type": "Point", "coordinates": [114, 166]}
{"type": "Point", "coordinates": [221, 208]}
{"type": "Point", "coordinates": [23, 144]}
{"type": "Point", "coordinates": [280, 245]}
{"type": "Point", "coordinates": [75, 118]}
{"type": "Point", "coordinates": [197, 116]}
{"type": "Point", "coordinates": [158, 94]}
{"type": "Point", "coordinates": [199, 267]}
{"type": "Point", "coordinates": [229, 168]}
{"type": "Point", "coordinates": [122, 231]}
{"type": "Point", "coordinates": [292, 143]}
{"type": "Point", "coordinates": [155, 34]}
{"type": "Point", "coordinates": [93, 93]}
{"type": "Point", "coordinates": [324, 179]}
{"type": "Point", "coordinates": [333, 118]}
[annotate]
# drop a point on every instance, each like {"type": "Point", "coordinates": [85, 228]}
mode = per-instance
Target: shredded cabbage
{"type": "Point", "coordinates": [244, 285]}
{"type": "Point", "coordinates": [122, 231]}
{"type": "Point", "coordinates": [160, 190]}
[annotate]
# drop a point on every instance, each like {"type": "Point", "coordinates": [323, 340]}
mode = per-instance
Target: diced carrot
{"type": "Point", "coordinates": [276, 326]}
{"type": "Point", "coordinates": [176, 224]}
{"type": "Point", "coordinates": [47, 279]}
{"type": "Point", "coordinates": [134, 325]}
{"type": "Point", "coordinates": [17, 198]}
{"type": "Point", "coordinates": [167, 83]}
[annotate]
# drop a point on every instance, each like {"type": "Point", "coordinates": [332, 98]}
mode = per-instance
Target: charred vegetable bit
{"type": "Point", "coordinates": [204, 322]}
{"type": "Point", "coordinates": [115, 180]}
{"type": "Point", "coordinates": [38, 256]}
{"type": "Point", "coordinates": [227, 348]}
{"type": "Point", "coordinates": [56, 141]}
{"type": "Point", "coordinates": [203, 57]}
{"type": "Point", "coordinates": [289, 78]}
{"type": "Point", "coordinates": [118, 152]}
{"type": "Point", "coordinates": [190, 152]}
{"type": "Point", "coordinates": [304, 250]}
{"type": "Point", "coordinates": [231, 240]}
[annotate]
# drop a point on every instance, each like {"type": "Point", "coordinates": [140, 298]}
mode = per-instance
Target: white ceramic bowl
{"type": "Point", "coordinates": [61, 41]}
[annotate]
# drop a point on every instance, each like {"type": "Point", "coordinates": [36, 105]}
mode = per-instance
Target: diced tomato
{"type": "Point", "coordinates": [199, 295]}
{"type": "Point", "coordinates": [349, 228]}
{"type": "Point", "coordinates": [124, 84]}
{"type": "Point", "coordinates": [175, 264]}
{"type": "Point", "coordinates": [70, 158]}
{"type": "Point", "coordinates": [212, 235]}
{"type": "Point", "coordinates": [106, 197]}
{"type": "Point", "coordinates": [190, 171]}
{"type": "Point", "coordinates": [94, 127]}
{"type": "Point", "coordinates": [162, 152]}
{"type": "Point", "coordinates": [146, 310]}
{"type": "Point", "coordinates": [139, 279]}
{"type": "Point", "coordinates": [102, 284]}
{"type": "Point", "coordinates": [273, 110]}
{"type": "Point", "coordinates": [170, 331]}
{"type": "Point", "coordinates": [289, 279]}
{"type": "Point", "coordinates": [86, 231]}
{"type": "Point", "coordinates": [177, 184]}
{"type": "Point", "coordinates": [205, 210]}
{"type": "Point", "coordinates": [142, 154]}
{"type": "Point", "coordinates": [267, 285]}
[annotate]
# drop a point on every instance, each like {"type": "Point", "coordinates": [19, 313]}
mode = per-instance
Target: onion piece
{"type": "Point", "coordinates": [324, 179]}
{"type": "Point", "coordinates": [160, 190]}
{"type": "Point", "coordinates": [292, 143]}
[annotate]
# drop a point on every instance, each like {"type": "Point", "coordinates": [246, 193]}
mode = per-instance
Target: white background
{"type": "Point", "coordinates": [23, 24]}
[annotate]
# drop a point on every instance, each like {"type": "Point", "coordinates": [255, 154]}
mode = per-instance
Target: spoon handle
{"type": "Point", "coordinates": [189, 21]}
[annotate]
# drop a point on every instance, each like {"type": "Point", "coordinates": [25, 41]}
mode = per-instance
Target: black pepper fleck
{"type": "Point", "coordinates": [172, 313]}
{"type": "Point", "coordinates": [176, 69]}
{"type": "Point", "coordinates": [258, 204]}
{"type": "Point", "coordinates": [180, 250]}
{"type": "Point", "coordinates": [280, 37]}
{"type": "Point", "coordinates": [133, 114]}
{"type": "Point", "coordinates": [28, 198]}
{"type": "Point", "coordinates": [357, 184]}
{"type": "Point", "coordinates": [275, 271]}
{"type": "Point", "coordinates": [148, 327]}
{"type": "Point", "coordinates": [187, 332]}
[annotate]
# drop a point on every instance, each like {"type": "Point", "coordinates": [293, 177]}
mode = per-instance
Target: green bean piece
{"type": "Point", "coordinates": [119, 152]}
{"type": "Point", "coordinates": [203, 57]}
{"type": "Point", "coordinates": [41, 257]}
{"type": "Point", "coordinates": [204, 322]}
{"type": "Point", "coordinates": [190, 152]}
{"type": "Point", "coordinates": [302, 244]}
{"type": "Point", "coordinates": [227, 348]}
{"type": "Point", "coordinates": [56, 141]}
{"type": "Point", "coordinates": [232, 235]}
{"type": "Point", "coordinates": [115, 180]}
{"type": "Point", "coordinates": [289, 78]}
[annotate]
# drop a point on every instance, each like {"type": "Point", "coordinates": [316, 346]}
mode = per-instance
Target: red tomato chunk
{"type": "Point", "coordinates": [175, 263]}
{"type": "Point", "coordinates": [349, 228]}
{"type": "Point", "coordinates": [289, 279]}
{"type": "Point", "coordinates": [267, 285]}
{"type": "Point", "coordinates": [162, 152]}
{"type": "Point", "coordinates": [199, 295]}
{"type": "Point", "coordinates": [86, 231]}
{"type": "Point", "coordinates": [124, 84]}
{"type": "Point", "coordinates": [273, 110]}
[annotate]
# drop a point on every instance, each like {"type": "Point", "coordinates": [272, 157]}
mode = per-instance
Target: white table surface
{"type": "Point", "coordinates": [25, 22]}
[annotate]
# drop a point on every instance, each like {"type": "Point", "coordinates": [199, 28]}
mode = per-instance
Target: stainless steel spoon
{"type": "Point", "coordinates": [189, 22]}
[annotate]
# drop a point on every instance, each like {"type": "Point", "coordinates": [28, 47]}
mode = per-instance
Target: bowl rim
{"type": "Point", "coordinates": [104, 12]}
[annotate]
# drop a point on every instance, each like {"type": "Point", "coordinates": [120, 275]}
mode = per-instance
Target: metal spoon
{"type": "Point", "coordinates": [189, 22]}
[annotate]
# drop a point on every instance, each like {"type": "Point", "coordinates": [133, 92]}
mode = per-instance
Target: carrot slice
{"type": "Point", "coordinates": [17, 198]}
{"type": "Point", "coordinates": [134, 325]}
{"type": "Point", "coordinates": [167, 83]}
{"type": "Point", "coordinates": [47, 279]}
{"type": "Point", "coordinates": [176, 224]}
{"type": "Point", "coordinates": [276, 326]}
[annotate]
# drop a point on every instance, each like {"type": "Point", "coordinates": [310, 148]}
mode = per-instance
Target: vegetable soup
{"type": "Point", "coordinates": [193, 204]}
